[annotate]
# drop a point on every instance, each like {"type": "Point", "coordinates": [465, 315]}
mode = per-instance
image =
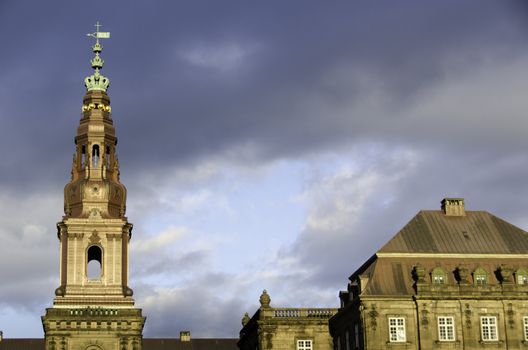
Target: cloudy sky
{"type": "Point", "coordinates": [270, 144]}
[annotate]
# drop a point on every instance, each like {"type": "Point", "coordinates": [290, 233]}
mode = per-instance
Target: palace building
{"type": "Point", "coordinates": [450, 279]}
{"type": "Point", "coordinates": [286, 328]}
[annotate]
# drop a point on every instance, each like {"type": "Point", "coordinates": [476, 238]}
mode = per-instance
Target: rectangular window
{"type": "Point", "coordinates": [397, 329]}
{"type": "Point", "coordinates": [446, 328]}
{"type": "Point", "coordinates": [525, 319]}
{"type": "Point", "coordinates": [488, 328]}
{"type": "Point", "coordinates": [522, 279]}
{"type": "Point", "coordinates": [304, 344]}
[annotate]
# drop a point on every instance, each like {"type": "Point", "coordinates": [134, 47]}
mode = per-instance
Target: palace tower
{"type": "Point", "coordinates": [93, 307]}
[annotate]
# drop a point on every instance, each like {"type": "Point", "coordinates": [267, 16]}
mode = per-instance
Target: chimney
{"type": "Point", "coordinates": [185, 336]}
{"type": "Point", "coordinates": [453, 207]}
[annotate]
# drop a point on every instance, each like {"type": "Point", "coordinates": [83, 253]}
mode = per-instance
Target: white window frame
{"type": "Point", "coordinates": [446, 328]}
{"type": "Point", "coordinates": [522, 280]}
{"type": "Point", "coordinates": [397, 331]}
{"type": "Point", "coordinates": [488, 328]}
{"type": "Point", "coordinates": [304, 344]}
{"type": "Point", "coordinates": [525, 327]}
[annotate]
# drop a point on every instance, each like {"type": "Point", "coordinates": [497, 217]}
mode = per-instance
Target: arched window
{"type": "Point", "coordinates": [521, 276]}
{"type": "Point", "coordinates": [439, 276]}
{"type": "Point", "coordinates": [95, 155]}
{"type": "Point", "coordinates": [94, 264]}
{"type": "Point", "coordinates": [83, 156]}
{"type": "Point", "coordinates": [107, 157]}
{"type": "Point", "coordinates": [480, 276]}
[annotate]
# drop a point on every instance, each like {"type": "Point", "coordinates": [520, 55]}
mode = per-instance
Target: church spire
{"type": "Point", "coordinates": [95, 204]}
{"type": "Point", "coordinates": [93, 306]}
{"type": "Point", "coordinates": [97, 81]}
{"type": "Point", "coordinates": [95, 165]}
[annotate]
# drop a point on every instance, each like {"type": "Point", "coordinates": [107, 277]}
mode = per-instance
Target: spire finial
{"type": "Point", "coordinates": [96, 81]}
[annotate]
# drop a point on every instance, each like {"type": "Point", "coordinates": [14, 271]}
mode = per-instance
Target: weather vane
{"type": "Point", "coordinates": [97, 34]}
{"type": "Point", "coordinates": [96, 81]}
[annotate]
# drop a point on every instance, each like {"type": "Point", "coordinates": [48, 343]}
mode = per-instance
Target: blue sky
{"type": "Point", "coordinates": [264, 145]}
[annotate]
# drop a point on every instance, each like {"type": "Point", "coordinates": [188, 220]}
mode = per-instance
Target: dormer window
{"type": "Point", "coordinates": [521, 275]}
{"type": "Point", "coordinates": [439, 276]}
{"type": "Point", "coordinates": [480, 276]}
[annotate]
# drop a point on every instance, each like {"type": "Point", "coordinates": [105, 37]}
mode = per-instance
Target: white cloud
{"type": "Point", "coordinates": [219, 56]}
{"type": "Point", "coordinates": [157, 242]}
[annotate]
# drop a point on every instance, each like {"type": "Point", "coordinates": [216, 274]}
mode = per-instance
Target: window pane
{"type": "Point", "coordinates": [397, 329]}
{"type": "Point", "coordinates": [446, 328]}
{"type": "Point", "coordinates": [304, 344]}
{"type": "Point", "coordinates": [488, 325]}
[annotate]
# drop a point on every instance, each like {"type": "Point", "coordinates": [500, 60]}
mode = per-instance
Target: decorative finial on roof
{"type": "Point", "coordinates": [245, 319]}
{"type": "Point", "coordinates": [265, 299]}
{"type": "Point", "coordinates": [96, 81]}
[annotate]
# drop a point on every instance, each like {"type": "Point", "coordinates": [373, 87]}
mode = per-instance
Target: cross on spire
{"type": "Point", "coordinates": [98, 34]}
{"type": "Point", "coordinates": [96, 81]}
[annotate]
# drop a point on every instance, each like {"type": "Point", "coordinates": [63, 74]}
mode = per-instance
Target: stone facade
{"type": "Point", "coordinates": [286, 328]}
{"type": "Point", "coordinates": [450, 279]}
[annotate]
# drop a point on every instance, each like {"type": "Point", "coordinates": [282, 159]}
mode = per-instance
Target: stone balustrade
{"type": "Point", "coordinates": [303, 313]}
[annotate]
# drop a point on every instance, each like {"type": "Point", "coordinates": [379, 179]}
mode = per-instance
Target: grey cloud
{"type": "Point", "coordinates": [200, 307]}
{"type": "Point", "coordinates": [318, 78]}
{"type": "Point", "coordinates": [145, 265]}
{"type": "Point", "coordinates": [171, 113]}
{"type": "Point", "coordinates": [333, 253]}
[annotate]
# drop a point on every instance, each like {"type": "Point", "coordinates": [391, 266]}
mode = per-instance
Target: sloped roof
{"type": "Point", "coordinates": [478, 232]}
{"type": "Point", "coordinates": [435, 239]}
{"type": "Point", "coordinates": [393, 276]}
{"type": "Point", "coordinates": [148, 344]}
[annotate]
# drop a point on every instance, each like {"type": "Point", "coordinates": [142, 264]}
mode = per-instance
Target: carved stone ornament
{"type": "Point", "coordinates": [506, 274]}
{"type": "Point", "coordinates": [95, 213]}
{"type": "Point", "coordinates": [265, 299]}
{"type": "Point", "coordinates": [245, 319]}
{"type": "Point", "coordinates": [419, 273]}
{"type": "Point", "coordinates": [59, 291]}
{"type": "Point", "coordinates": [511, 314]}
{"type": "Point", "coordinates": [94, 238]}
{"type": "Point", "coordinates": [462, 273]}
{"type": "Point", "coordinates": [467, 314]}
{"type": "Point", "coordinates": [127, 291]}
{"type": "Point", "coordinates": [424, 317]}
{"type": "Point", "coordinates": [373, 313]}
